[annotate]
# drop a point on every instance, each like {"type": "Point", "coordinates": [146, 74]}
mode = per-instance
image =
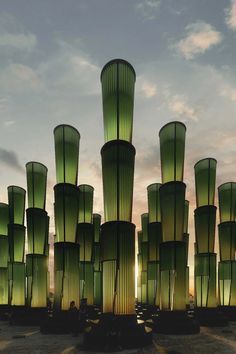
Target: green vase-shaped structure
{"type": "Point", "coordinates": [97, 260]}
{"type": "Point", "coordinates": [4, 254]}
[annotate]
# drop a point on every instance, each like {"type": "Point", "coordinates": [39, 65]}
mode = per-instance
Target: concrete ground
{"type": "Point", "coordinates": [29, 340]}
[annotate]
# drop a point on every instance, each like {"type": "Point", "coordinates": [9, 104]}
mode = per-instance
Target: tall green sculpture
{"type": "Point", "coordinates": [97, 260]}
{"type": "Point", "coordinates": [4, 220]}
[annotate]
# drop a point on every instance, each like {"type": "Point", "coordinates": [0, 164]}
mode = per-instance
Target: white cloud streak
{"type": "Point", "coordinates": [148, 9]}
{"type": "Point", "coordinates": [18, 41]}
{"type": "Point", "coordinates": [231, 15]}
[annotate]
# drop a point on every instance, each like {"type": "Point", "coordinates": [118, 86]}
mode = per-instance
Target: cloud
{"type": "Point", "coordinates": [148, 8]}
{"type": "Point", "coordinates": [200, 37]}
{"type": "Point", "coordinates": [228, 92]}
{"type": "Point", "coordinates": [18, 41]}
{"type": "Point", "coordinates": [178, 104]}
{"type": "Point", "coordinates": [10, 159]}
{"type": "Point", "coordinates": [148, 89]}
{"type": "Point", "coordinates": [231, 15]}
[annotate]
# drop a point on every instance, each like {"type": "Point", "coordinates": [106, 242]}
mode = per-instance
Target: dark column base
{"type": "Point", "coordinates": [112, 333]}
{"type": "Point", "coordinates": [229, 312]}
{"type": "Point", "coordinates": [5, 312]}
{"type": "Point", "coordinates": [145, 312]}
{"type": "Point", "coordinates": [173, 322]}
{"type": "Point", "coordinates": [25, 316]}
{"type": "Point", "coordinates": [210, 317]}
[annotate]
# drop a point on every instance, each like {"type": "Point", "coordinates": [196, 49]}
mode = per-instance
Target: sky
{"type": "Point", "coordinates": [51, 56]}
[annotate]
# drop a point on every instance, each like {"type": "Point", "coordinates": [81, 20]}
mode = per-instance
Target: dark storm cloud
{"type": "Point", "coordinates": [11, 159]}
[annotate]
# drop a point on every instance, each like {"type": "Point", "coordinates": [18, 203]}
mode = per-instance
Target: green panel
{"type": "Point", "coordinates": [186, 212]}
{"type": "Point", "coordinates": [144, 287]}
{"type": "Point", "coordinates": [153, 284]}
{"type": "Point", "coordinates": [186, 240]}
{"type": "Point", "coordinates": [205, 223]}
{"type": "Point", "coordinates": [97, 256]}
{"type": "Point", "coordinates": [140, 258]}
{"type": "Point", "coordinates": [85, 238]}
{"type": "Point", "coordinates": [233, 284]}
{"type": "Point", "coordinates": [205, 180]}
{"type": "Point", "coordinates": [224, 282]}
{"type": "Point", "coordinates": [227, 240]}
{"type": "Point", "coordinates": [187, 286]}
{"type": "Point", "coordinates": [118, 176]}
{"type": "Point", "coordinates": [66, 212]}
{"type": "Point", "coordinates": [154, 240]}
{"type": "Point", "coordinates": [227, 201]}
{"type": "Point", "coordinates": [118, 243]}
{"type": "Point", "coordinates": [4, 219]}
{"type": "Point", "coordinates": [172, 147]}
{"type": "Point", "coordinates": [98, 288]}
{"type": "Point", "coordinates": [172, 196]}
{"type": "Point", "coordinates": [205, 280]}
{"type": "Point", "coordinates": [36, 184]}
{"type": "Point", "coordinates": [144, 222]}
{"type": "Point", "coordinates": [139, 288]}
{"type": "Point", "coordinates": [66, 140]}
{"type": "Point", "coordinates": [85, 203]}
{"type": "Point", "coordinates": [36, 275]}
{"type": "Point", "coordinates": [16, 239]}
{"type": "Point", "coordinates": [154, 207]}
{"type": "Point", "coordinates": [66, 275]}
{"type": "Point", "coordinates": [37, 230]}
{"type": "Point", "coordinates": [140, 238]}
{"type": "Point", "coordinates": [16, 276]}
{"type": "Point", "coordinates": [3, 251]}
{"type": "Point", "coordinates": [87, 282]}
{"type": "Point", "coordinates": [144, 253]}
{"type": "Point", "coordinates": [118, 79]}
{"type": "Point", "coordinates": [173, 275]}
{"type": "Point", "coordinates": [16, 201]}
{"type": "Point", "coordinates": [3, 286]}
{"type": "Point", "coordinates": [97, 227]}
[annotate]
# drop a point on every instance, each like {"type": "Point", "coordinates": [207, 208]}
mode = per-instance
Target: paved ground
{"type": "Point", "coordinates": [28, 340]}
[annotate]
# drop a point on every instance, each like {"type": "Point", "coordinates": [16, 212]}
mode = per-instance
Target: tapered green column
{"type": "Point", "coordinates": [227, 283]}
{"type": "Point", "coordinates": [118, 79]}
{"type": "Point", "coordinates": [85, 238]}
{"type": "Point", "coordinates": [16, 201]}
{"type": "Point", "coordinates": [144, 223]}
{"type": "Point", "coordinates": [205, 179]}
{"type": "Point", "coordinates": [97, 274]}
{"type": "Point", "coordinates": [154, 205]}
{"type": "Point", "coordinates": [97, 227]}
{"type": "Point", "coordinates": [85, 203]}
{"type": "Point", "coordinates": [87, 281]}
{"type": "Point", "coordinates": [36, 184]}
{"type": "Point", "coordinates": [205, 223]}
{"type": "Point", "coordinates": [37, 230]}
{"type": "Point", "coordinates": [4, 253]}
{"type": "Point", "coordinates": [154, 240]}
{"type": "Point", "coordinates": [16, 281]}
{"type": "Point", "coordinates": [4, 286]}
{"type": "Point", "coordinates": [227, 240]}
{"type": "Point", "coordinates": [16, 236]}
{"type": "Point", "coordinates": [227, 201]}
{"type": "Point", "coordinates": [4, 219]}
{"type": "Point", "coordinates": [66, 140]}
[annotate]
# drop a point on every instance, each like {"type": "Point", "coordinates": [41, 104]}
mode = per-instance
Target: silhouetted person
{"type": "Point", "coordinates": [73, 317]}
{"type": "Point", "coordinates": [83, 312]}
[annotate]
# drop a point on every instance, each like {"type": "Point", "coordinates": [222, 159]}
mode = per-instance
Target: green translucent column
{"type": "Point", "coordinates": [227, 201]}
{"type": "Point", "coordinates": [154, 240]}
{"type": "Point", "coordinates": [87, 282]}
{"type": "Point", "coordinates": [97, 227]}
{"type": "Point", "coordinates": [3, 286]}
{"type": "Point", "coordinates": [186, 213]}
{"type": "Point", "coordinates": [16, 239]}
{"type": "Point", "coordinates": [172, 196]}
{"type": "Point", "coordinates": [140, 239]}
{"type": "Point", "coordinates": [205, 223]}
{"type": "Point", "coordinates": [173, 275]}
{"type": "Point", "coordinates": [118, 176]}
{"type": "Point", "coordinates": [172, 148]}
{"type": "Point", "coordinates": [85, 203]}
{"type": "Point", "coordinates": [205, 179]}
{"type": "Point", "coordinates": [187, 286]}
{"type": "Point", "coordinates": [85, 238]}
{"type": "Point", "coordinates": [139, 284]}
{"type": "Point", "coordinates": [16, 281]}
{"type": "Point", "coordinates": [227, 240]}
{"type": "Point", "coordinates": [118, 263]}
{"type": "Point", "coordinates": [144, 282]}
{"type": "Point", "coordinates": [153, 283]}
{"type": "Point", "coordinates": [16, 201]}
{"type": "Point", "coordinates": [118, 79]}
{"type": "Point", "coordinates": [227, 283]}
{"type": "Point", "coordinates": [4, 219]}
{"type": "Point", "coordinates": [154, 207]}
{"type": "Point", "coordinates": [36, 184]}
{"type": "Point", "coordinates": [98, 288]}
{"type": "Point", "coordinates": [205, 280]}
{"type": "Point", "coordinates": [144, 222]}
{"type": "Point", "coordinates": [37, 230]}
{"type": "Point", "coordinates": [66, 140]}
{"type": "Point", "coordinates": [37, 282]}
{"type": "Point", "coordinates": [4, 251]}
{"type": "Point", "coordinates": [66, 275]}
{"type": "Point", "coordinates": [144, 253]}
{"type": "Point", "coordinates": [66, 212]}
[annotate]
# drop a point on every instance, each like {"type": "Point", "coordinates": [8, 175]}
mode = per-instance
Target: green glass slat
{"type": "Point", "coordinates": [144, 253]}
{"type": "Point", "coordinates": [66, 212]}
{"type": "Point", "coordinates": [173, 275]}
{"type": "Point", "coordinates": [205, 180]}
{"type": "Point", "coordinates": [108, 285]}
{"type": "Point", "coordinates": [16, 241]}
{"type": "Point", "coordinates": [187, 286]}
{"type": "Point", "coordinates": [172, 196]}
{"type": "Point", "coordinates": [4, 251]}
{"type": "Point", "coordinates": [87, 282]}
{"type": "Point", "coordinates": [144, 287]}
{"type": "Point", "coordinates": [118, 176]}
{"type": "Point", "coordinates": [16, 281]}
{"type": "Point", "coordinates": [3, 286]}
{"type": "Point", "coordinates": [186, 240]}
{"type": "Point", "coordinates": [85, 238]}
{"type": "Point", "coordinates": [4, 219]}
{"type": "Point", "coordinates": [85, 203]}
{"type": "Point", "coordinates": [153, 284]}
{"type": "Point", "coordinates": [154, 240]}
{"type": "Point", "coordinates": [227, 240]}
{"type": "Point", "coordinates": [37, 282]}
{"type": "Point", "coordinates": [118, 79]}
{"type": "Point", "coordinates": [140, 238]}
{"type": "Point", "coordinates": [97, 256]}
{"type": "Point", "coordinates": [98, 288]}
{"type": "Point", "coordinates": [37, 230]}
{"type": "Point", "coordinates": [186, 212]}
{"type": "Point", "coordinates": [205, 280]}
{"type": "Point", "coordinates": [154, 208]}
{"type": "Point", "coordinates": [227, 201]}
{"type": "Point", "coordinates": [66, 275]}
{"type": "Point", "coordinates": [144, 223]}
{"type": "Point", "coordinates": [97, 227]}
{"type": "Point", "coordinates": [36, 174]}
{"type": "Point", "coordinates": [172, 148]}
{"type": "Point", "coordinates": [67, 140]}
{"type": "Point", "coordinates": [16, 201]}
{"type": "Point", "coordinates": [205, 223]}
